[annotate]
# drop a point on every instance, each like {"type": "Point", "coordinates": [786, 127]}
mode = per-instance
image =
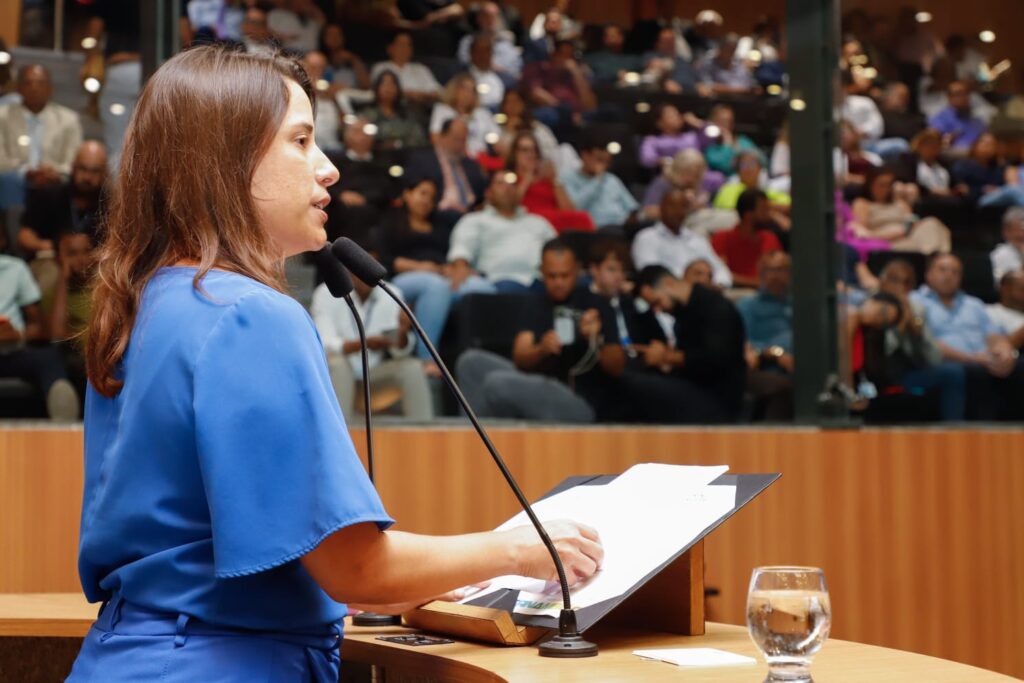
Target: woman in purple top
{"type": "Point", "coordinates": [672, 136]}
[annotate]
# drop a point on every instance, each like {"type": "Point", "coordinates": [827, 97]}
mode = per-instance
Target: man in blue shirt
{"type": "Point", "coordinates": [594, 190]}
{"type": "Point", "coordinates": [965, 334]}
{"type": "Point", "coordinates": [958, 127]}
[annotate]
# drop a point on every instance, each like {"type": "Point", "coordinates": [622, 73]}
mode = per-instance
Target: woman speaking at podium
{"type": "Point", "coordinates": [226, 516]}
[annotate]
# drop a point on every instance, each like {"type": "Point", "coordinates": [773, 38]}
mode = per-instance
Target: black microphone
{"type": "Point", "coordinates": [568, 642]}
{"type": "Point", "coordinates": [339, 284]}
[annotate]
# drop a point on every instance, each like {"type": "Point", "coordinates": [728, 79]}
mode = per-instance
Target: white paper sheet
{"type": "Point", "coordinates": [697, 656]}
{"type": "Point", "coordinates": [643, 517]}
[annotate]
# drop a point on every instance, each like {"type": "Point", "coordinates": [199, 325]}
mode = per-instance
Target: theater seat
{"type": "Point", "coordinates": [978, 279]}
{"type": "Point", "coordinates": [485, 321]}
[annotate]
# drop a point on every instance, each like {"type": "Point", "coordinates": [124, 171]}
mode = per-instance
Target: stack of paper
{"type": "Point", "coordinates": [696, 656]}
{"type": "Point", "coordinates": [644, 517]}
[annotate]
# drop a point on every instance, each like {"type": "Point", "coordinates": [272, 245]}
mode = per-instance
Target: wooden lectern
{"type": "Point", "coordinates": [670, 599]}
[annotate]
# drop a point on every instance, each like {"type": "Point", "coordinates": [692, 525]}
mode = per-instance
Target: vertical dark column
{"type": "Point", "coordinates": [812, 60]}
{"type": "Point", "coordinates": [158, 27]}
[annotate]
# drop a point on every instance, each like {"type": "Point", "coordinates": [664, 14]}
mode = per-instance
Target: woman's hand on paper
{"type": "Point", "coordinates": [578, 546]}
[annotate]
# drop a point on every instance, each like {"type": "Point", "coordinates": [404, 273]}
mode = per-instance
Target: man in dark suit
{"type": "Point", "coordinates": [364, 189]}
{"type": "Point", "coordinates": [460, 181]}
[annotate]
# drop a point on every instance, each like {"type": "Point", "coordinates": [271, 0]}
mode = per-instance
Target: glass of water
{"type": "Point", "coordinates": [789, 616]}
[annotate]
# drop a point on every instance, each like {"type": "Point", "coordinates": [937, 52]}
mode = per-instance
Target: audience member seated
{"type": "Point", "coordinates": [657, 151]}
{"type": "Point", "coordinates": [256, 35]}
{"type": "Point", "coordinates": [414, 248]}
{"type": "Point", "coordinates": [570, 28]}
{"type": "Point", "coordinates": [672, 245]}
{"type": "Point", "coordinates": [1009, 256]}
{"type": "Point", "coordinates": [297, 24]}
{"type": "Point", "coordinates": [900, 121]}
{"type": "Point", "coordinates": [21, 323]}
{"type": "Point", "coordinates": [768, 321]}
{"type": "Point", "coordinates": [460, 99]}
{"type": "Point", "coordinates": [610, 63]}
{"type": "Point", "coordinates": [851, 162]}
{"type": "Point", "coordinates": [966, 335]}
{"type": "Point", "coordinates": [388, 344]}
{"type": "Point", "coordinates": [491, 83]}
{"type": "Point", "coordinates": [564, 358]}
{"type": "Point", "coordinates": [540, 48]}
{"type": "Point", "coordinates": [72, 206]}
{"type": "Point", "coordinates": [931, 175]}
{"type": "Point", "coordinates": [558, 88]}
{"type": "Point", "coordinates": [345, 69]}
{"type": "Point", "coordinates": [221, 18]}
{"type": "Point", "coordinates": [71, 300]}
{"type": "Point", "coordinates": [364, 189]}
{"type": "Point", "coordinates": [645, 33]}
{"type": "Point", "coordinates": [859, 109]}
{"type": "Point", "coordinates": [596, 191]}
{"type": "Point", "coordinates": [38, 138]}
{"type": "Point", "coordinates": [505, 56]}
{"type": "Point", "coordinates": [708, 361]}
{"type": "Point", "coordinates": [724, 72]}
{"type": "Point", "coordinates": [396, 128]}
{"type": "Point", "coordinates": [984, 175]}
{"type": "Point", "coordinates": [439, 24]}
{"type": "Point", "coordinates": [515, 117]}
{"type": "Point", "coordinates": [327, 120]}
{"type": "Point", "coordinates": [540, 190]}
{"type": "Point", "coordinates": [958, 126]}
{"type": "Point", "coordinates": [417, 81]}
{"type": "Point", "coordinates": [743, 247]}
{"type": "Point", "coordinates": [665, 66]}
{"type": "Point", "coordinates": [688, 171]}
{"type": "Point", "coordinates": [723, 144]}
{"type": "Point", "coordinates": [750, 175]}
{"type": "Point", "coordinates": [609, 262]}
{"type": "Point", "coordinates": [501, 243]}
{"type": "Point", "coordinates": [703, 33]}
{"type": "Point", "coordinates": [459, 180]}
{"type": "Point", "coordinates": [905, 353]}
{"type": "Point", "coordinates": [1008, 314]}
{"type": "Point", "coordinates": [880, 213]}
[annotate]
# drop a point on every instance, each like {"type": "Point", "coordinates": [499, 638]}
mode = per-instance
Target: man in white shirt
{"type": "Point", "coordinates": [489, 85]}
{"type": "Point", "coordinates": [1008, 314]}
{"type": "Point", "coordinates": [507, 57]}
{"type": "Point", "coordinates": [1009, 256]}
{"type": "Point", "coordinates": [418, 82]}
{"type": "Point", "coordinates": [860, 110]}
{"type": "Point", "coordinates": [388, 343]}
{"type": "Point", "coordinates": [674, 246]}
{"type": "Point", "coordinates": [502, 243]}
{"type": "Point", "coordinates": [38, 138]}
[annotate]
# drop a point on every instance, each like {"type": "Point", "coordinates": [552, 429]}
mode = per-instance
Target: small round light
{"type": "Point", "coordinates": [117, 109]}
{"type": "Point", "coordinates": [500, 119]}
{"type": "Point", "coordinates": [396, 171]}
{"type": "Point", "coordinates": [5, 57]}
{"type": "Point", "coordinates": [859, 60]}
{"type": "Point", "coordinates": [631, 77]}
{"type": "Point", "coordinates": [923, 17]}
{"type": "Point", "coordinates": [774, 89]}
{"type": "Point", "coordinates": [89, 43]}
{"type": "Point", "coordinates": [370, 129]}
{"type": "Point", "coordinates": [492, 138]}
{"type": "Point", "coordinates": [869, 72]}
{"type": "Point", "coordinates": [349, 119]}
{"type": "Point", "coordinates": [797, 104]}
{"type": "Point", "coordinates": [24, 140]}
{"type": "Point", "coordinates": [322, 84]}
{"type": "Point", "coordinates": [987, 37]}
{"type": "Point", "coordinates": [712, 131]}
{"type": "Point", "coordinates": [614, 147]}
{"type": "Point", "coordinates": [483, 88]}
{"type": "Point", "coordinates": [510, 178]}
{"type": "Point", "coordinates": [755, 56]}
{"type": "Point", "coordinates": [91, 84]}
{"type": "Point", "coordinates": [643, 107]}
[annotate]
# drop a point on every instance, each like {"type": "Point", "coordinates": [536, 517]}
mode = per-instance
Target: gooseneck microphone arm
{"type": "Point", "coordinates": [568, 643]}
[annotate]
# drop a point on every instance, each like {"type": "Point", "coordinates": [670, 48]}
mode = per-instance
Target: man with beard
{"type": "Point", "coordinates": [73, 206]}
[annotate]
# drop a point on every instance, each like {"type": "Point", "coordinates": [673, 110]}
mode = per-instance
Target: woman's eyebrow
{"type": "Point", "coordinates": [304, 126]}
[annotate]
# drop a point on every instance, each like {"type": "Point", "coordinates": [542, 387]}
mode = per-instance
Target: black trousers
{"type": "Point", "coordinates": [39, 366]}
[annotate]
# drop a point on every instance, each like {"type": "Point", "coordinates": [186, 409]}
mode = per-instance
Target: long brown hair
{"type": "Point", "coordinates": [200, 127]}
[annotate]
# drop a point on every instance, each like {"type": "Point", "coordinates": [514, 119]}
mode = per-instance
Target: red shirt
{"type": "Point", "coordinates": [741, 252]}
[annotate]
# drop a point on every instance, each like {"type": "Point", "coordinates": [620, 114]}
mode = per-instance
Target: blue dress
{"type": "Point", "coordinates": [222, 461]}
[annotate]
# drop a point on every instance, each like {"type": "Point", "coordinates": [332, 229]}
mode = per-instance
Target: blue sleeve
{"type": "Point", "coordinates": [278, 465]}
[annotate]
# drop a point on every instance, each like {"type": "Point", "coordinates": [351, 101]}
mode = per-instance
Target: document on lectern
{"type": "Point", "coordinates": [643, 517]}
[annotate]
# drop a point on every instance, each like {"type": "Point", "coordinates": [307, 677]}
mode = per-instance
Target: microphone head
{"type": "Point", "coordinates": [334, 274]}
{"type": "Point", "coordinates": [355, 258]}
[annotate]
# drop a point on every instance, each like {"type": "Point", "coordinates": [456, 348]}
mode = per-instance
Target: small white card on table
{"type": "Point", "coordinates": [697, 656]}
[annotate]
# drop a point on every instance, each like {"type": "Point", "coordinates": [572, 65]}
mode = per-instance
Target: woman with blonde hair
{"type": "Point", "coordinates": [226, 517]}
{"type": "Point", "coordinates": [460, 100]}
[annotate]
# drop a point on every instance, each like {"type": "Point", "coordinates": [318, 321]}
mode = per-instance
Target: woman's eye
{"type": "Point", "coordinates": [303, 141]}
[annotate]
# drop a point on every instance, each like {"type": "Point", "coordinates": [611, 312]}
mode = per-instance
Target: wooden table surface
{"type": "Point", "coordinates": [69, 615]}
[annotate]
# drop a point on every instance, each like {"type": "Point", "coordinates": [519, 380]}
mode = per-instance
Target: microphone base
{"type": "Point", "coordinates": [374, 619]}
{"type": "Point", "coordinates": [569, 646]}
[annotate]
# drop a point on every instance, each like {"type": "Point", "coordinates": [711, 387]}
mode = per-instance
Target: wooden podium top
{"type": "Point", "coordinates": [69, 615]}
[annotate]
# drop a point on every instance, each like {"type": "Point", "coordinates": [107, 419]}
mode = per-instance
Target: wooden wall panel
{"type": "Point", "coordinates": [920, 532]}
